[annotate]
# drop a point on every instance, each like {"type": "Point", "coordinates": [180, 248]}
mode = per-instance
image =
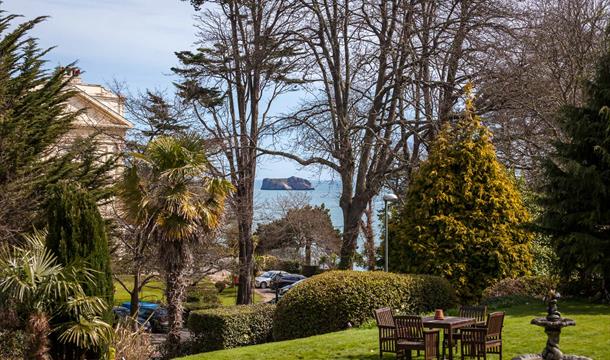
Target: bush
{"type": "Point", "coordinates": [291, 266]}
{"type": "Point", "coordinates": [534, 287]}
{"type": "Point", "coordinates": [229, 327]}
{"type": "Point", "coordinates": [334, 300]}
{"type": "Point", "coordinates": [203, 292]}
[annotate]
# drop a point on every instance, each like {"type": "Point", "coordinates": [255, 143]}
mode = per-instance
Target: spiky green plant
{"type": "Point", "coordinates": [31, 277]}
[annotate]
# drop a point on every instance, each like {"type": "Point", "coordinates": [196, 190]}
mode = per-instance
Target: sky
{"type": "Point", "coordinates": [130, 41]}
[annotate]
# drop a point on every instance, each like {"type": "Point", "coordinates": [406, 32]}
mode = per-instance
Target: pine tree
{"type": "Point", "coordinates": [77, 236]}
{"type": "Point", "coordinates": [33, 118]}
{"type": "Point", "coordinates": [577, 187]}
{"type": "Point", "coordinates": [463, 214]}
{"type": "Point", "coordinates": [162, 118]}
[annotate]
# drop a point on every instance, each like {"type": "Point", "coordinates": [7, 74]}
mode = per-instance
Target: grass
{"type": "Point", "coordinates": [590, 337]}
{"type": "Point", "coordinates": [153, 291]}
{"type": "Point", "coordinates": [229, 295]}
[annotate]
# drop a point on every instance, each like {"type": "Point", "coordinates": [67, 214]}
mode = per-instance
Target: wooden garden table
{"type": "Point", "coordinates": [449, 323]}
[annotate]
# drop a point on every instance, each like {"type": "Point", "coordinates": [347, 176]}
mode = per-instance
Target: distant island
{"type": "Point", "coordinates": [291, 183]}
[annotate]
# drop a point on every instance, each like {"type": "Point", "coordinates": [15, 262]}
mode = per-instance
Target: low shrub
{"type": "Point", "coordinates": [503, 302]}
{"type": "Point", "coordinates": [229, 327]}
{"type": "Point", "coordinates": [204, 292]}
{"type": "Point", "coordinates": [311, 270]}
{"type": "Point", "coordinates": [335, 300]}
{"type": "Point", "coordinates": [291, 266]}
{"type": "Point", "coordinates": [535, 287]}
{"type": "Point", "coordinates": [129, 344]}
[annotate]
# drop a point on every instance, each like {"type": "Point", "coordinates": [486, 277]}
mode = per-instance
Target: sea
{"type": "Point", "coordinates": [268, 203]}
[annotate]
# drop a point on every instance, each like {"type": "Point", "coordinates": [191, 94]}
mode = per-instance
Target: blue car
{"type": "Point", "coordinates": [150, 315]}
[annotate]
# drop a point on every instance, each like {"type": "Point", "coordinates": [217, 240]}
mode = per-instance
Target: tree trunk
{"type": "Point", "coordinates": [245, 213]}
{"type": "Point", "coordinates": [369, 238]}
{"type": "Point", "coordinates": [135, 294]}
{"type": "Point", "coordinates": [175, 282]}
{"type": "Point", "coordinates": [38, 328]}
{"type": "Point", "coordinates": [246, 263]}
{"type": "Point", "coordinates": [308, 251]}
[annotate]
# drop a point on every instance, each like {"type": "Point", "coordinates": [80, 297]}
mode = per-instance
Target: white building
{"type": "Point", "coordinates": [102, 115]}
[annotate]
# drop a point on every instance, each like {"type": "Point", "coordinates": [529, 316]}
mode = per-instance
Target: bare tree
{"type": "Point", "coordinates": [135, 256]}
{"type": "Point", "coordinates": [553, 53]}
{"type": "Point", "coordinates": [243, 65]}
{"type": "Point", "coordinates": [305, 229]}
{"type": "Point", "coordinates": [384, 75]}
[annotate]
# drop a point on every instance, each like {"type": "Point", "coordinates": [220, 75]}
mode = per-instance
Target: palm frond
{"type": "Point", "coordinates": [86, 332]}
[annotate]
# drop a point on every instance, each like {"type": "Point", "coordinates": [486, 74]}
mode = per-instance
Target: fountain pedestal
{"type": "Point", "coordinates": [552, 323]}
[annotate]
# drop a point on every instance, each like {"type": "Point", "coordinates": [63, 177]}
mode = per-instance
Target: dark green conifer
{"type": "Point", "coordinates": [577, 187]}
{"type": "Point", "coordinates": [77, 235]}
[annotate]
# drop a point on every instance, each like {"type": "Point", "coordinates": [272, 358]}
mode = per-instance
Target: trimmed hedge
{"type": "Point", "coordinates": [335, 300]}
{"type": "Point", "coordinates": [229, 327]}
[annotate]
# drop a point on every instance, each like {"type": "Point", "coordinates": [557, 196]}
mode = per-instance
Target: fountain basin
{"type": "Point", "coordinates": [539, 357]}
{"type": "Point", "coordinates": [553, 324]}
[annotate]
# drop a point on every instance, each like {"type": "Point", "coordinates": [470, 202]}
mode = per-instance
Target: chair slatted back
{"type": "Point", "coordinates": [409, 327]}
{"type": "Point", "coordinates": [384, 317]}
{"type": "Point", "coordinates": [477, 312]}
{"type": "Point", "coordinates": [495, 322]}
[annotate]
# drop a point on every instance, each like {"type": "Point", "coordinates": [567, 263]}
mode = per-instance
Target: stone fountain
{"type": "Point", "coordinates": [552, 323]}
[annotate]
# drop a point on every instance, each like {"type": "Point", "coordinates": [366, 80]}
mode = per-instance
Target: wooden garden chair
{"type": "Point", "coordinates": [477, 312]}
{"type": "Point", "coordinates": [411, 335]}
{"type": "Point", "coordinates": [477, 342]}
{"type": "Point", "coordinates": [386, 326]}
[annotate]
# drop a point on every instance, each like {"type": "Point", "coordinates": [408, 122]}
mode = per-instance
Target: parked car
{"type": "Point", "coordinates": [121, 312]}
{"type": "Point", "coordinates": [150, 315]}
{"type": "Point", "coordinates": [263, 281]}
{"type": "Point", "coordinates": [285, 289]}
{"type": "Point", "coordinates": [280, 280]}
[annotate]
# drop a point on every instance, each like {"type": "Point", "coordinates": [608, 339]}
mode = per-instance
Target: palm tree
{"type": "Point", "coordinates": [168, 191]}
{"type": "Point", "coordinates": [31, 277]}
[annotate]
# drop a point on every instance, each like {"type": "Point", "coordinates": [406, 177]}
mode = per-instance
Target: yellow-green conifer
{"type": "Point", "coordinates": [463, 214]}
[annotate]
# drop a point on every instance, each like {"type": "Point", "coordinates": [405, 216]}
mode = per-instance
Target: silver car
{"type": "Point", "coordinates": [264, 280]}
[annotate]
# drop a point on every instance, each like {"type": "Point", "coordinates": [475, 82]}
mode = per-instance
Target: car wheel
{"type": "Point", "coordinates": [263, 285]}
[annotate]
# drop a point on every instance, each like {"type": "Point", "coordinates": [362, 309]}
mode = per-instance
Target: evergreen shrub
{"type": "Point", "coordinates": [527, 286]}
{"type": "Point", "coordinates": [77, 236]}
{"type": "Point", "coordinates": [204, 291]}
{"type": "Point", "coordinates": [463, 216]}
{"type": "Point", "coordinates": [335, 300]}
{"type": "Point", "coordinates": [229, 327]}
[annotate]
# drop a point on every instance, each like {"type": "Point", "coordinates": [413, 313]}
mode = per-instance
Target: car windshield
{"type": "Point", "coordinates": [266, 274]}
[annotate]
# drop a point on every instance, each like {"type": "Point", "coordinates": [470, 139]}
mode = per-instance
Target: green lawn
{"type": "Point", "coordinates": [153, 291]}
{"type": "Point", "coordinates": [229, 295]}
{"type": "Point", "coordinates": [590, 337]}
